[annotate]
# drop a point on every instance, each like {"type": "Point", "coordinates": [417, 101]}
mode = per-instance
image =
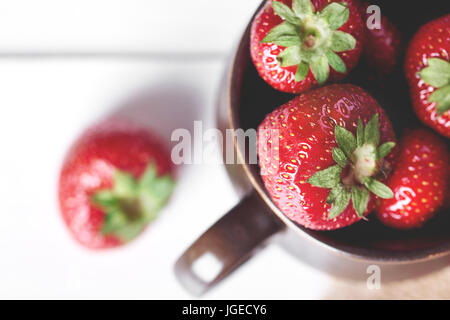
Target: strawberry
{"type": "Point", "coordinates": [114, 181]}
{"type": "Point", "coordinates": [383, 46]}
{"type": "Point", "coordinates": [294, 42]}
{"type": "Point", "coordinates": [419, 181]}
{"type": "Point", "coordinates": [427, 69]}
{"type": "Point", "coordinates": [312, 164]}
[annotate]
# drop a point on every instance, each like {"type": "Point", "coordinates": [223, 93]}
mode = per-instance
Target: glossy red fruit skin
{"type": "Point", "coordinates": [283, 78]}
{"type": "Point", "coordinates": [89, 167]}
{"type": "Point", "coordinates": [383, 46]}
{"type": "Point", "coordinates": [419, 181]}
{"type": "Point", "coordinates": [431, 41]}
{"type": "Point", "coordinates": [305, 127]}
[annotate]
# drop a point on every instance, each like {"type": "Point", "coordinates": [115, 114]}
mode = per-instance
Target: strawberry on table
{"type": "Point", "coordinates": [324, 154]}
{"type": "Point", "coordinates": [419, 181]}
{"type": "Point", "coordinates": [114, 181]}
{"type": "Point", "coordinates": [383, 46]}
{"type": "Point", "coordinates": [298, 44]}
{"type": "Point", "coordinates": [427, 68]}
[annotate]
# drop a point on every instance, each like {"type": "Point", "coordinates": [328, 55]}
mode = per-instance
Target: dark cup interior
{"type": "Point", "coordinates": [253, 99]}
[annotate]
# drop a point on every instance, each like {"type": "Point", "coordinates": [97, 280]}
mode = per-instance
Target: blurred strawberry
{"type": "Point", "coordinates": [114, 181]}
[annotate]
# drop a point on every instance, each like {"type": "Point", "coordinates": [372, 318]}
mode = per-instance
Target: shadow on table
{"type": "Point", "coordinates": [163, 108]}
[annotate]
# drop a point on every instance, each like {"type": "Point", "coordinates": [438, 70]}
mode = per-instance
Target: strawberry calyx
{"type": "Point", "coordinates": [311, 38]}
{"type": "Point", "coordinates": [132, 203]}
{"type": "Point", "coordinates": [437, 74]}
{"type": "Point", "coordinates": [359, 162]}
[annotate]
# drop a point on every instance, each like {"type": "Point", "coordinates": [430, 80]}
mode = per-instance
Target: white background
{"type": "Point", "coordinates": [66, 64]}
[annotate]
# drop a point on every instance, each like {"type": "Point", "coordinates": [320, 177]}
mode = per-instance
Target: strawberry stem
{"type": "Point", "coordinates": [132, 203]}
{"type": "Point", "coordinates": [311, 38]}
{"type": "Point", "coordinates": [359, 161]}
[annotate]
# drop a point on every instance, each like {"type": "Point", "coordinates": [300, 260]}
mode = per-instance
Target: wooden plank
{"type": "Point", "coordinates": [122, 26]}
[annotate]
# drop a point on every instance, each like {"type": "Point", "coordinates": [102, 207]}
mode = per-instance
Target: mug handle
{"type": "Point", "coordinates": [227, 244]}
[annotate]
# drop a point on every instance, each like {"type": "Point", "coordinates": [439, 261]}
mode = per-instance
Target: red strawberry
{"type": "Point", "coordinates": [312, 164]}
{"type": "Point", "coordinates": [419, 182]}
{"type": "Point", "coordinates": [383, 45]}
{"type": "Point", "coordinates": [294, 42]}
{"type": "Point", "coordinates": [427, 68]}
{"type": "Point", "coordinates": [114, 180]}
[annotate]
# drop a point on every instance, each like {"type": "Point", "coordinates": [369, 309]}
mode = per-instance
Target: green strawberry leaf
{"type": "Point", "coordinates": [378, 188]}
{"type": "Point", "coordinates": [126, 232]}
{"type": "Point", "coordinates": [341, 41]}
{"type": "Point", "coordinates": [282, 30]}
{"type": "Point", "coordinates": [339, 157]}
{"type": "Point", "coordinates": [385, 149]}
{"type": "Point", "coordinates": [320, 69]}
{"type": "Point", "coordinates": [336, 62]}
{"type": "Point", "coordinates": [290, 56]}
{"type": "Point", "coordinates": [302, 7]}
{"type": "Point", "coordinates": [302, 71]}
{"type": "Point", "coordinates": [360, 197]}
{"type": "Point", "coordinates": [336, 14]}
{"type": "Point", "coordinates": [155, 196]}
{"type": "Point", "coordinates": [442, 99]}
{"type": "Point", "coordinates": [114, 220]}
{"type": "Point", "coordinates": [437, 74]}
{"type": "Point", "coordinates": [104, 198]}
{"type": "Point", "coordinates": [285, 12]}
{"type": "Point", "coordinates": [360, 134]}
{"type": "Point", "coordinates": [288, 41]}
{"type": "Point", "coordinates": [124, 184]}
{"type": "Point", "coordinates": [372, 131]}
{"type": "Point", "coordinates": [334, 192]}
{"type": "Point", "coordinates": [327, 178]}
{"type": "Point", "coordinates": [339, 204]}
{"type": "Point", "coordinates": [154, 192]}
{"type": "Point", "coordinates": [345, 140]}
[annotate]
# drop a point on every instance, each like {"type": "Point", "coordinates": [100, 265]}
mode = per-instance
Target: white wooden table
{"type": "Point", "coordinates": [66, 64]}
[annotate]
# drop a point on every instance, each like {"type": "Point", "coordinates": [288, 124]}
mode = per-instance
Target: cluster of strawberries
{"type": "Point", "coordinates": [337, 156]}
